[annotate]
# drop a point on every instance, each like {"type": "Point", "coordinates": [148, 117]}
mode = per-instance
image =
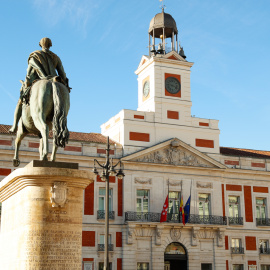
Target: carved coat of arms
{"type": "Point", "coordinates": [59, 194]}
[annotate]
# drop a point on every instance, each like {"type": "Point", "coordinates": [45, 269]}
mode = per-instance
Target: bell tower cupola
{"type": "Point", "coordinates": [163, 35]}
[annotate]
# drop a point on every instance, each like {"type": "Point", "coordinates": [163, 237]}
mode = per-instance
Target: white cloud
{"type": "Point", "coordinates": [76, 12]}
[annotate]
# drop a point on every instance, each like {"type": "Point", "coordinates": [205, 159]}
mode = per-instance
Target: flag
{"type": "Point", "coordinates": [163, 217]}
{"type": "Point", "coordinates": [181, 212]}
{"type": "Point", "coordinates": [187, 210]}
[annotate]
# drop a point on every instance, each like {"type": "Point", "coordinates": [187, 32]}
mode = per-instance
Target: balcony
{"type": "Point", "coordinates": [144, 217]}
{"type": "Point", "coordinates": [235, 220]}
{"type": "Point", "coordinates": [101, 247]}
{"type": "Point", "coordinates": [262, 221]}
{"type": "Point", "coordinates": [174, 218]}
{"type": "Point", "coordinates": [101, 214]}
{"type": "Point", "coordinates": [237, 250]}
{"type": "Point", "coordinates": [264, 250]}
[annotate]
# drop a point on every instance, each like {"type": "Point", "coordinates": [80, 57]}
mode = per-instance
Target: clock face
{"type": "Point", "coordinates": [146, 88]}
{"type": "Point", "coordinates": [172, 85]}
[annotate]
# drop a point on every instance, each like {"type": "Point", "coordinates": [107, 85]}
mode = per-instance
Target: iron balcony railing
{"type": "Point", "coordinates": [235, 220]}
{"type": "Point", "coordinates": [101, 214]}
{"type": "Point", "coordinates": [101, 247]}
{"type": "Point", "coordinates": [264, 250]}
{"type": "Point", "coordinates": [262, 221]}
{"type": "Point", "coordinates": [237, 250]}
{"type": "Point", "coordinates": [175, 218]}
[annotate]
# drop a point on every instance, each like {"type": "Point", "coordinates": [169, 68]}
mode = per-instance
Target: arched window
{"type": "Point", "coordinates": [174, 249]}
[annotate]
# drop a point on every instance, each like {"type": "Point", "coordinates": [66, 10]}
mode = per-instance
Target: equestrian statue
{"type": "Point", "coordinates": [44, 102]}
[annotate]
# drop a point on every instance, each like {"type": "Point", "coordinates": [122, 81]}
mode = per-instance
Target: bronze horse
{"type": "Point", "coordinates": [47, 109]}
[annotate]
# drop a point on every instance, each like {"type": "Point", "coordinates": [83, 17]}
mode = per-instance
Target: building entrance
{"type": "Point", "coordinates": [175, 257]}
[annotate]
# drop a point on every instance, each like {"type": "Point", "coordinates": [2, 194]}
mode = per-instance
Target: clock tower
{"type": "Point", "coordinates": [164, 100]}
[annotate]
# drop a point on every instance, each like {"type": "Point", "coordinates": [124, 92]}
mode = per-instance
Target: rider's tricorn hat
{"type": "Point", "coordinates": [45, 43]}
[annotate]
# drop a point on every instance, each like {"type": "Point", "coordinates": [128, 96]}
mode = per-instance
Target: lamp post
{"type": "Point", "coordinates": [108, 169]}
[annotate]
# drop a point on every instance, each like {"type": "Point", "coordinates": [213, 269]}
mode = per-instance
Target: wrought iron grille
{"type": "Point", "coordinates": [147, 217]}
{"type": "Point", "coordinates": [216, 220]}
{"type": "Point", "coordinates": [235, 220]}
{"type": "Point", "coordinates": [101, 214]}
{"type": "Point", "coordinates": [264, 250]}
{"type": "Point", "coordinates": [174, 218]}
{"type": "Point", "coordinates": [262, 221]}
{"type": "Point", "coordinates": [101, 247]}
{"type": "Point", "coordinates": [237, 250]}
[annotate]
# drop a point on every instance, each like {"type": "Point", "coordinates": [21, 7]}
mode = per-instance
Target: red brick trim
{"type": "Point", "coordinates": [136, 116]}
{"type": "Point", "coordinates": [173, 115]}
{"type": "Point", "coordinates": [33, 144]}
{"type": "Point", "coordinates": [138, 136]}
{"type": "Point", "coordinates": [118, 239]}
{"type": "Point", "coordinates": [178, 77]}
{"type": "Point", "coordinates": [73, 148]}
{"type": "Point", "coordinates": [251, 243]}
{"type": "Point", "coordinates": [231, 162]}
{"type": "Point", "coordinates": [89, 200]}
{"type": "Point", "coordinates": [234, 187]}
{"type": "Point", "coordinates": [260, 189]}
{"type": "Point", "coordinates": [111, 179]}
{"type": "Point", "coordinates": [6, 142]}
{"type": "Point", "coordinates": [103, 151]}
{"type": "Point", "coordinates": [88, 259]}
{"type": "Point", "coordinates": [248, 203]}
{"type": "Point", "coordinates": [226, 242]}
{"type": "Point", "coordinates": [252, 263]}
{"type": "Point", "coordinates": [173, 57]}
{"type": "Point", "coordinates": [120, 197]}
{"type": "Point", "coordinates": [223, 200]}
{"type": "Point", "coordinates": [4, 171]}
{"type": "Point", "coordinates": [119, 264]}
{"type": "Point", "coordinates": [203, 124]}
{"type": "Point", "coordinates": [204, 143]}
{"type": "Point", "coordinates": [88, 238]}
{"type": "Point", "coordinates": [227, 265]}
{"type": "Point", "coordinates": [257, 165]}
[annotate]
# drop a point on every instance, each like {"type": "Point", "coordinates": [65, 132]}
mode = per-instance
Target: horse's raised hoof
{"type": "Point", "coordinates": [16, 162]}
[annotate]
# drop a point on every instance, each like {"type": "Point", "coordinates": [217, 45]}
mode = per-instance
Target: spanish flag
{"type": "Point", "coordinates": [182, 212]}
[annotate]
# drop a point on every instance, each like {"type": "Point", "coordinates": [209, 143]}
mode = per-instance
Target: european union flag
{"type": "Point", "coordinates": [187, 210]}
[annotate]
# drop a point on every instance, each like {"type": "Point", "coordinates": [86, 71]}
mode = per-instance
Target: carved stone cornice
{"type": "Point", "coordinates": [204, 185]}
{"type": "Point", "coordinates": [173, 183]}
{"type": "Point", "coordinates": [142, 180]}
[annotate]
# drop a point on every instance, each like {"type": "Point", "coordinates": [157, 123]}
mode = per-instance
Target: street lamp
{"type": "Point", "coordinates": [108, 169]}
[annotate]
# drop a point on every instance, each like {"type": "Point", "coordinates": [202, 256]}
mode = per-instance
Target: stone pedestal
{"type": "Point", "coordinates": [41, 222]}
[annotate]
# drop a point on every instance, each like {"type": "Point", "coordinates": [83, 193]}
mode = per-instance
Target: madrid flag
{"type": "Point", "coordinates": [182, 213]}
{"type": "Point", "coordinates": [163, 217]}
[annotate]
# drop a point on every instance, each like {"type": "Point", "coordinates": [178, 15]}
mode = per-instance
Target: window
{"type": "Point", "coordinates": [174, 202]}
{"type": "Point", "coordinates": [102, 239]}
{"type": "Point", "coordinates": [234, 206]}
{"type": "Point", "coordinates": [238, 267]}
{"type": "Point", "coordinates": [204, 204]}
{"type": "Point", "coordinates": [142, 201]}
{"type": "Point", "coordinates": [264, 246]}
{"type": "Point", "coordinates": [88, 266]}
{"type": "Point", "coordinates": [142, 266]}
{"type": "Point", "coordinates": [236, 246]}
{"type": "Point", "coordinates": [101, 266]}
{"type": "Point", "coordinates": [261, 208]}
{"type": "Point", "coordinates": [206, 266]}
{"type": "Point", "coordinates": [101, 199]}
{"type": "Point", "coordinates": [265, 267]}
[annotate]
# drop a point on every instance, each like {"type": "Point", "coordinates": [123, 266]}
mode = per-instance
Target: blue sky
{"type": "Point", "coordinates": [101, 43]}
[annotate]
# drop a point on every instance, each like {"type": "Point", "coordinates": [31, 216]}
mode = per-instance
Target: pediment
{"type": "Point", "coordinates": [176, 153]}
{"type": "Point", "coordinates": [175, 56]}
{"type": "Point", "coordinates": [144, 59]}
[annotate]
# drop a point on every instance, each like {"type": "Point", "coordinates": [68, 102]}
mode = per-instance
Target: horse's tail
{"type": "Point", "coordinates": [60, 130]}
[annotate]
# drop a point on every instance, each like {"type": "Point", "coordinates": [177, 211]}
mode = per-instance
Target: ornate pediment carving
{"type": "Point", "coordinates": [174, 156]}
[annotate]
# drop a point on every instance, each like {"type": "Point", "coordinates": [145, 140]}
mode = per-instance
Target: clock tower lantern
{"type": "Point", "coordinates": [164, 100]}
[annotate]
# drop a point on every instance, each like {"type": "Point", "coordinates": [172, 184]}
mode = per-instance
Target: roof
{"type": "Point", "coordinates": [239, 152]}
{"type": "Point", "coordinates": [160, 21]}
{"type": "Point", "coordinates": [75, 136]}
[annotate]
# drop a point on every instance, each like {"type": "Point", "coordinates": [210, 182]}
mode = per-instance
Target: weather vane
{"type": "Point", "coordinates": [162, 6]}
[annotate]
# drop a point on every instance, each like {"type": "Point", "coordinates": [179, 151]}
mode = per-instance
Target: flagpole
{"type": "Point", "coordinates": [168, 196]}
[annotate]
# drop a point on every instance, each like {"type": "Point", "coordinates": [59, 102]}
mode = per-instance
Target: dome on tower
{"type": "Point", "coordinates": [162, 21]}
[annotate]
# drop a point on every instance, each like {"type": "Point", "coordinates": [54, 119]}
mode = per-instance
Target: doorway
{"type": "Point", "coordinates": [175, 257]}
